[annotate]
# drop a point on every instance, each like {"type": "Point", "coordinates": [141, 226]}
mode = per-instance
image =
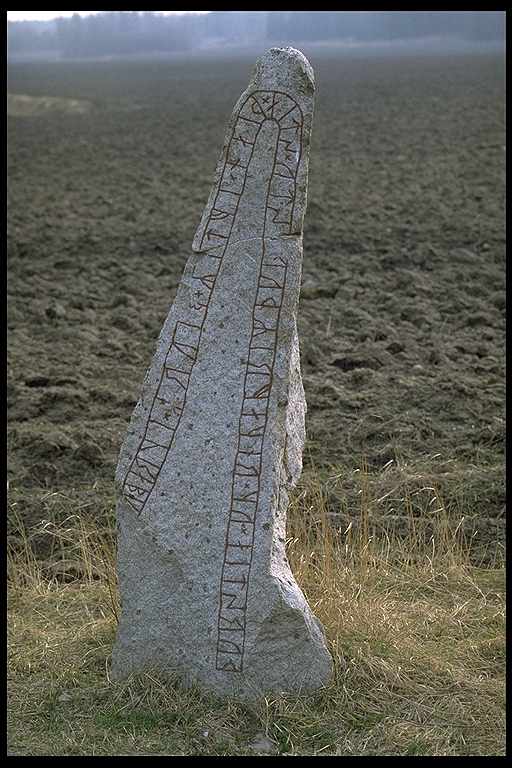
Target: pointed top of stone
{"type": "Point", "coordinates": [285, 67]}
{"type": "Point", "coordinates": [281, 89]}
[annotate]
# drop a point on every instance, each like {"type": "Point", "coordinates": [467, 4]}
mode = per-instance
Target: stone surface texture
{"type": "Point", "coordinates": [216, 439]}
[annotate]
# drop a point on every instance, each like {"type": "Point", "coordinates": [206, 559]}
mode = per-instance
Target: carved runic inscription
{"type": "Point", "coordinates": [170, 398]}
{"type": "Point", "coordinates": [245, 491]}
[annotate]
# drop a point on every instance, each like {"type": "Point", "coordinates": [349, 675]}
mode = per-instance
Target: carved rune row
{"type": "Point", "coordinates": [246, 480]}
{"type": "Point", "coordinates": [245, 489]}
{"type": "Point", "coordinates": [171, 392]}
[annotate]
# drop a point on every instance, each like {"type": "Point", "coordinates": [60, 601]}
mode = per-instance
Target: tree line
{"type": "Point", "coordinates": [137, 32]}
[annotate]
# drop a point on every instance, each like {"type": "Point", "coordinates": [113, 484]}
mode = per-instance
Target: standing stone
{"type": "Point", "coordinates": [216, 439]}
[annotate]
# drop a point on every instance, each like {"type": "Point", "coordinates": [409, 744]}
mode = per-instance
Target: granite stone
{"type": "Point", "coordinates": [215, 442]}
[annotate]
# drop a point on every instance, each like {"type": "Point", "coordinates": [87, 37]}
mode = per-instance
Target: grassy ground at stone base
{"type": "Point", "coordinates": [415, 627]}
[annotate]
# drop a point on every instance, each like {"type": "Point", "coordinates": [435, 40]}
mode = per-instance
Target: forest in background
{"type": "Point", "coordinates": [125, 33]}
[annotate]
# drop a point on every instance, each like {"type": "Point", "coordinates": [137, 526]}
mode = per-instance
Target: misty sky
{"type": "Point", "coordinates": [47, 15]}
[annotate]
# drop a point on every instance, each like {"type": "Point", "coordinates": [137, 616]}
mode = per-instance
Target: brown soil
{"type": "Point", "coordinates": [403, 303]}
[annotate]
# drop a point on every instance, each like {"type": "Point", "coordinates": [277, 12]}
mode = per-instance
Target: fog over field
{"type": "Point", "coordinates": [135, 33]}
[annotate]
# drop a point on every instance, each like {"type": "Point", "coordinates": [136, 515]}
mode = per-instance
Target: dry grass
{"type": "Point", "coordinates": [415, 627]}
